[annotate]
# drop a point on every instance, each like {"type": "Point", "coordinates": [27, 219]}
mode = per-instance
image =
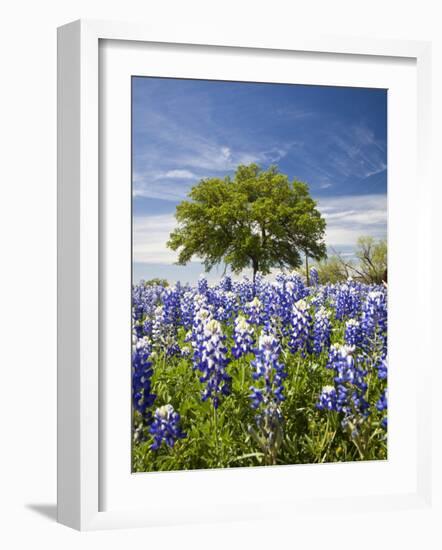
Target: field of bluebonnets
{"type": "Point", "coordinates": [243, 374]}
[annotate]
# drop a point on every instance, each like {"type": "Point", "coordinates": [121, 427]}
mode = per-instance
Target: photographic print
{"type": "Point", "coordinates": [259, 274]}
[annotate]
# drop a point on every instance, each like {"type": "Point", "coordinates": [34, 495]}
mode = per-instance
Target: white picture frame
{"type": "Point", "coordinates": [79, 273]}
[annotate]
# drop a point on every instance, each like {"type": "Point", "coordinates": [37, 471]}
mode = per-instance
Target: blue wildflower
{"type": "Point", "coordinates": [243, 337]}
{"type": "Point", "coordinates": [142, 396]}
{"type": "Point", "coordinates": [253, 310]}
{"type": "Point", "coordinates": [300, 333]}
{"type": "Point", "coordinates": [328, 399]}
{"type": "Point", "coordinates": [165, 427]}
{"type": "Point", "coordinates": [314, 276]}
{"type": "Point", "coordinates": [268, 368]}
{"type": "Point", "coordinates": [348, 300]}
{"type": "Point", "coordinates": [382, 367]}
{"type": "Point", "coordinates": [267, 397]}
{"type": "Point", "coordinates": [374, 315]}
{"type": "Point", "coordinates": [353, 333]}
{"type": "Point", "coordinates": [321, 331]}
{"type": "Point", "coordinates": [211, 358]}
{"type": "Point", "coordinates": [350, 382]}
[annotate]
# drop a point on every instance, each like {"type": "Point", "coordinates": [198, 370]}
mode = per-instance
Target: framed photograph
{"type": "Point", "coordinates": [234, 237]}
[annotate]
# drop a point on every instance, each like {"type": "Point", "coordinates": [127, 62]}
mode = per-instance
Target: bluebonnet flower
{"type": "Point", "coordinates": [328, 399]}
{"type": "Point", "coordinates": [353, 333]}
{"type": "Point", "coordinates": [289, 289]}
{"type": "Point", "coordinates": [382, 404]}
{"type": "Point", "coordinates": [382, 367]}
{"type": "Point", "coordinates": [314, 276]}
{"type": "Point", "coordinates": [165, 427]}
{"type": "Point", "coordinates": [225, 305]}
{"type": "Point", "coordinates": [211, 359]}
{"type": "Point", "coordinates": [187, 308]}
{"type": "Point", "coordinates": [203, 285]}
{"type": "Point", "coordinates": [269, 299]}
{"type": "Point", "coordinates": [171, 305]}
{"type": "Point", "coordinates": [226, 283]}
{"type": "Point", "coordinates": [144, 299]}
{"type": "Point", "coordinates": [319, 297]}
{"type": "Point", "coordinates": [142, 396]}
{"type": "Point", "coordinates": [300, 333]}
{"type": "Point", "coordinates": [321, 331]}
{"type": "Point", "coordinates": [267, 397]}
{"type": "Point", "coordinates": [341, 359]}
{"type": "Point", "coordinates": [253, 310]}
{"type": "Point", "coordinates": [243, 337]}
{"type": "Point", "coordinates": [348, 300]}
{"type": "Point", "coordinates": [244, 289]}
{"type": "Point", "coordinates": [231, 304]}
{"type": "Point", "coordinates": [374, 314]}
{"type": "Point", "coordinates": [196, 335]}
{"type": "Point", "coordinates": [334, 398]}
{"type": "Point", "coordinates": [294, 286]}
{"type": "Point", "coordinates": [137, 325]}
{"type": "Point", "coordinates": [350, 383]}
{"type": "Point", "coordinates": [164, 333]}
{"type": "Point", "coordinates": [268, 367]}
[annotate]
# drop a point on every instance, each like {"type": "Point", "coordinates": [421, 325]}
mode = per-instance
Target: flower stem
{"type": "Point", "coordinates": [215, 423]}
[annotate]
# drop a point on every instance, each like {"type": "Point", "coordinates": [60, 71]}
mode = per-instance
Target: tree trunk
{"type": "Point", "coordinates": [306, 270]}
{"type": "Point", "coordinates": [255, 270]}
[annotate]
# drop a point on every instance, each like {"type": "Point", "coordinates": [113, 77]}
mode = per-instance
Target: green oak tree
{"type": "Point", "coordinates": [256, 219]}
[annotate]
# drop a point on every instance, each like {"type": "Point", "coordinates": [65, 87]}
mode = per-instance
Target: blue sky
{"type": "Point", "coordinates": [334, 139]}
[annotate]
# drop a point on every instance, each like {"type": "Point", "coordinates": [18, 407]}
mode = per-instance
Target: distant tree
{"type": "Point", "coordinates": [333, 270]}
{"type": "Point", "coordinates": [371, 267]}
{"type": "Point", "coordinates": [156, 281]}
{"type": "Point", "coordinates": [258, 219]}
{"type": "Point", "coordinates": [372, 257]}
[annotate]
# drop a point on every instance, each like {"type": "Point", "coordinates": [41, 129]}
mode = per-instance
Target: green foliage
{"type": "Point", "coordinates": [257, 219]}
{"type": "Point", "coordinates": [332, 270]}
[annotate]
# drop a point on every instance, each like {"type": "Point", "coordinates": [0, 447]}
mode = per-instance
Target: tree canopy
{"type": "Point", "coordinates": [256, 219]}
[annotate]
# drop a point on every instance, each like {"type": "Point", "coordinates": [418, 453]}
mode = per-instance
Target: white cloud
{"type": "Point", "coordinates": [349, 217]}
{"type": "Point", "coordinates": [150, 235]}
{"type": "Point", "coordinates": [226, 152]}
{"type": "Point", "coordinates": [168, 191]}
{"type": "Point", "coordinates": [180, 174]}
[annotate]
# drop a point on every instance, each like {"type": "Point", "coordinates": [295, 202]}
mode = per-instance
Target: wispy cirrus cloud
{"type": "Point", "coordinates": [179, 174]}
{"type": "Point", "coordinates": [354, 151]}
{"type": "Point", "coordinates": [206, 161]}
{"type": "Point", "coordinates": [183, 138]}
